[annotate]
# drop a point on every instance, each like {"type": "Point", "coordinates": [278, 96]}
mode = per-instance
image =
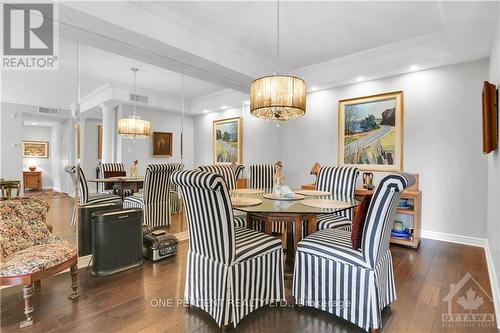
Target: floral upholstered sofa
{"type": "Point", "coordinates": [29, 252]}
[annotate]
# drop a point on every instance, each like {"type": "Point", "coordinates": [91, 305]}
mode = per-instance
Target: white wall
{"type": "Point", "coordinates": [442, 141]}
{"type": "Point", "coordinates": [12, 133]}
{"type": "Point", "coordinates": [142, 149]}
{"type": "Point", "coordinates": [262, 140]}
{"type": "Point", "coordinates": [493, 225]}
{"type": "Point", "coordinates": [40, 133]}
{"type": "Point", "coordinates": [10, 139]}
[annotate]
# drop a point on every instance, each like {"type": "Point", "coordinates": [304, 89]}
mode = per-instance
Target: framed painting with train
{"type": "Point", "coordinates": [371, 132]}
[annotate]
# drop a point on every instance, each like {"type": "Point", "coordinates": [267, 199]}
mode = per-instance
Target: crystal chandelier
{"type": "Point", "coordinates": [278, 97]}
{"type": "Point", "coordinates": [134, 127]}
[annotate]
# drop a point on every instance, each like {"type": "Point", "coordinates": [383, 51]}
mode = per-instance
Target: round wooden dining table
{"type": "Point", "coordinates": [122, 183]}
{"type": "Point", "coordinates": [300, 218]}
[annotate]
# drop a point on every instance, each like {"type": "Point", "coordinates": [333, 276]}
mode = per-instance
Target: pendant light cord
{"type": "Point", "coordinates": [135, 93]}
{"type": "Point", "coordinates": [277, 36]}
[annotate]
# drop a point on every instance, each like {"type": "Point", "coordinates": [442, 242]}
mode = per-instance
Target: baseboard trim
{"type": "Point", "coordinates": [495, 289]}
{"type": "Point", "coordinates": [453, 238]}
{"type": "Point", "coordinates": [474, 241]}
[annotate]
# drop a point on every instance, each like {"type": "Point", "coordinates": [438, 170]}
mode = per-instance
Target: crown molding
{"type": "Point", "coordinates": [166, 15]}
{"type": "Point", "coordinates": [372, 53]}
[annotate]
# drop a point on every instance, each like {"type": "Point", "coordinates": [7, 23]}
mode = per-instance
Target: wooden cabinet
{"type": "Point", "coordinates": [410, 214]}
{"type": "Point", "coordinates": [309, 187]}
{"type": "Point", "coordinates": [241, 183]}
{"type": "Point", "coordinates": [32, 180]}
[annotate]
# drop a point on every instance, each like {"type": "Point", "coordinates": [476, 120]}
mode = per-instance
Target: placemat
{"type": "Point", "coordinates": [247, 191]}
{"type": "Point", "coordinates": [325, 203]}
{"type": "Point", "coordinates": [312, 192]}
{"type": "Point", "coordinates": [245, 201]}
{"type": "Point", "coordinates": [273, 197]}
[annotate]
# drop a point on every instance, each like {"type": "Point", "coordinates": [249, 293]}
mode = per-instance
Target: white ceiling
{"type": "Point", "coordinates": [311, 32]}
{"type": "Point", "coordinates": [99, 67]}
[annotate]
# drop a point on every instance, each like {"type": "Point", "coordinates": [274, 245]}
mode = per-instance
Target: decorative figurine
{"type": "Point", "coordinates": [315, 171]}
{"type": "Point", "coordinates": [368, 180]}
{"type": "Point", "coordinates": [134, 169]}
{"type": "Point", "coordinates": [278, 179]}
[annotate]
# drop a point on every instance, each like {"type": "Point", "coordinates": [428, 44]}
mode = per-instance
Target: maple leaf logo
{"type": "Point", "coordinates": [470, 301]}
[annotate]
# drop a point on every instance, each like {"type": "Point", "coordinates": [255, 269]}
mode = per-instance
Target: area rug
{"type": "Point", "coordinates": [45, 194]}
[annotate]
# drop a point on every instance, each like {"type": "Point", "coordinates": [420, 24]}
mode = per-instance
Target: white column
{"type": "Point", "coordinates": [56, 157]}
{"type": "Point", "coordinates": [109, 133]}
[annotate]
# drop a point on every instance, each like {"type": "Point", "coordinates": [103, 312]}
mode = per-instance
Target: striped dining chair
{"type": "Point", "coordinates": [231, 271]}
{"type": "Point", "coordinates": [238, 171]}
{"type": "Point", "coordinates": [261, 177]}
{"type": "Point", "coordinates": [341, 181]}
{"type": "Point", "coordinates": [86, 198]}
{"type": "Point", "coordinates": [354, 284]}
{"type": "Point", "coordinates": [156, 196]}
{"type": "Point", "coordinates": [107, 170]}
{"type": "Point", "coordinates": [227, 173]}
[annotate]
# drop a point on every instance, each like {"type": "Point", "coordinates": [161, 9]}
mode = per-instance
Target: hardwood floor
{"type": "Point", "coordinates": [130, 301]}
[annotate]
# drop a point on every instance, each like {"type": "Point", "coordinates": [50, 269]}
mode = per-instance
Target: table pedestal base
{"type": "Point", "coordinates": [292, 234]}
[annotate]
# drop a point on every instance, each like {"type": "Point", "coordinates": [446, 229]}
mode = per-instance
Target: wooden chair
{"type": "Point", "coordinates": [29, 252]}
{"type": "Point", "coordinates": [6, 188]}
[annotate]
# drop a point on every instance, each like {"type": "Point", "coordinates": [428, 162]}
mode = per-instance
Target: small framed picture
{"type": "Point", "coordinates": [37, 149]}
{"type": "Point", "coordinates": [162, 144]}
{"type": "Point", "coordinates": [227, 141]}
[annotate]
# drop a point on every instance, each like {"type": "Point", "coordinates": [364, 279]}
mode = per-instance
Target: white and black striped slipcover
{"type": "Point", "coordinates": [328, 271]}
{"type": "Point", "coordinates": [155, 200]}
{"type": "Point", "coordinates": [261, 177]}
{"type": "Point", "coordinates": [86, 199]}
{"type": "Point", "coordinates": [238, 171]}
{"type": "Point", "coordinates": [108, 167]}
{"type": "Point", "coordinates": [340, 181]}
{"type": "Point", "coordinates": [231, 271]}
{"type": "Point", "coordinates": [228, 174]}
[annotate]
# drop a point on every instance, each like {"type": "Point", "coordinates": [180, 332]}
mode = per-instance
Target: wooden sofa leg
{"type": "Point", "coordinates": [38, 285]}
{"type": "Point", "coordinates": [28, 306]}
{"type": "Point", "coordinates": [74, 282]}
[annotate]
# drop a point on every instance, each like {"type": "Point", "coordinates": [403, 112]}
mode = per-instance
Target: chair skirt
{"type": "Point", "coordinates": [230, 292]}
{"type": "Point", "coordinates": [356, 294]}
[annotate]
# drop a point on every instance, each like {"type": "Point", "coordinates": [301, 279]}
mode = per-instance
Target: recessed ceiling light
{"type": "Point", "coordinates": [205, 111]}
{"type": "Point", "coordinates": [224, 107]}
{"type": "Point", "coordinates": [34, 123]}
{"type": "Point", "coordinates": [414, 68]}
{"type": "Point", "coordinates": [360, 78]}
{"type": "Point", "coordinates": [314, 88]}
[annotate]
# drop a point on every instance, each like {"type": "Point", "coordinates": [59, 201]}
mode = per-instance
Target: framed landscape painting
{"type": "Point", "coordinates": [371, 132]}
{"type": "Point", "coordinates": [38, 149]}
{"type": "Point", "coordinates": [162, 144]}
{"type": "Point", "coordinates": [227, 141]}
